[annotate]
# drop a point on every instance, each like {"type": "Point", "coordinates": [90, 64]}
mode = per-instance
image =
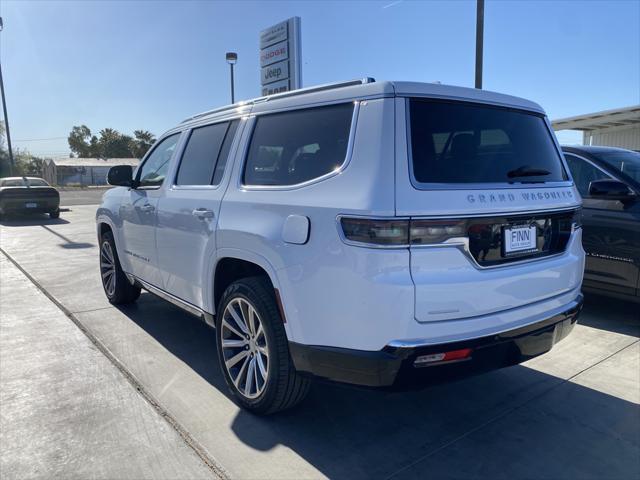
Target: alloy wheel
{"type": "Point", "coordinates": [244, 348]}
{"type": "Point", "coordinates": [108, 268]}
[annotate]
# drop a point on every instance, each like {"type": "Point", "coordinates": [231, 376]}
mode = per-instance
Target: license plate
{"type": "Point", "coordinates": [520, 239]}
{"type": "Point", "coordinates": [31, 205]}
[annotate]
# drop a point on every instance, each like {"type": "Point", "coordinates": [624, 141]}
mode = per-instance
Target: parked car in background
{"type": "Point", "coordinates": [28, 195]}
{"type": "Point", "coordinates": [382, 234]}
{"type": "Point", "coordinates": [608, 179]}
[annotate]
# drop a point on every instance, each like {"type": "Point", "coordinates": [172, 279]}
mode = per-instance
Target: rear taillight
{"type": "Point", "coordinates": [425, 232]}
{"type": "Point", "coordinates": [401, 232]}
{"type": "Point", "coordinates": [392, 233]}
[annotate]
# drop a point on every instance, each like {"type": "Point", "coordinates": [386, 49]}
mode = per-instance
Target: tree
{"type": "Point", "coordinates": [143, 141]}
{"type": "Point", "coordinates": [79, 139]}
{"type": "Point", "coordinates": [109, 143]}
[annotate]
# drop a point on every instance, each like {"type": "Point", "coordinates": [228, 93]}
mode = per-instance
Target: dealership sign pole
{"type": "Point", "coordinates": [6, 118]}
{"type": "Point", "coordinates": [281, 57]}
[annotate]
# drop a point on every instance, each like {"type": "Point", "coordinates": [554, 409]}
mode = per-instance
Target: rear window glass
{"type": "Point", "coordinates": [467, 143]}
{"type": "Point", "coordinates": [294, 147]}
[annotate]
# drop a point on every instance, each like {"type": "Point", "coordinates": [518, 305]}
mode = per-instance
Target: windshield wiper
{"type": "Point", "coordinates": [527, 171]}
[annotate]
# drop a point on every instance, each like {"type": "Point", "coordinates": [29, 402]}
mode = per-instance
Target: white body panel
{"type": "Point", "coordinates": [334, 293]}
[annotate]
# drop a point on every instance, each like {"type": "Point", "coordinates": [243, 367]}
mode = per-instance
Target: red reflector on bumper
{"type": "Point", "coordinates": [443, 357]}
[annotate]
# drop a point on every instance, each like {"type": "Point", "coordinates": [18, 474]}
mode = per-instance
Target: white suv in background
{"type": "Point", "coordinates": [383, 234]}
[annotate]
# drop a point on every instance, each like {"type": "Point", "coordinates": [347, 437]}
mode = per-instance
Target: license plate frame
{"type": "Point", "coordinates": [519, 240]}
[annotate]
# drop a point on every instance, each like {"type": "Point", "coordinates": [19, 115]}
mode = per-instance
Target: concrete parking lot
{"type": "Point", "coordinates": [573, 413]}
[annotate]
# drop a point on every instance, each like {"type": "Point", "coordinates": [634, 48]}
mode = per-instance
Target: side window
{"type": "Point", "coordinates": [154, 169]}
{"type": "Point", "coordinates": [293, 147]}
{"type": "Point", "coordinates": [200, 155]}
{"type": "Point", "coordinates": [224, 152]}
{"type": "Point", "coordinates": [583, 173]}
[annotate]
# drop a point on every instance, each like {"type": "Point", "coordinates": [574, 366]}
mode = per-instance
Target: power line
{"type": "Point", "coordinates": [38, 139]}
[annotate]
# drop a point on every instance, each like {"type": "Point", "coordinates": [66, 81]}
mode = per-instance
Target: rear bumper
{"type": "Point", "coordinates": [20, 206]}
{"type": "Point", "coordinates": [393, 366]}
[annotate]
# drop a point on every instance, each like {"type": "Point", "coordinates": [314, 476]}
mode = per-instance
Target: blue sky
{"type": "Point", "coordinates": [149, 64]}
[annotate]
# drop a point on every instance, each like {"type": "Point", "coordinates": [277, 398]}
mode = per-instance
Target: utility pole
{"type": "Point", "coordinates": [479, 41]}
{"type": "Point", "coordinates": [6, 119]}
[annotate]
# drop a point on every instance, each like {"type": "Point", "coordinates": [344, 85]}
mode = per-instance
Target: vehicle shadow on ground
{"type": "Point", "coordinates": [31, 220]}
{"type": "Point", "coordinates": [611, 314]}
{"type": "Point", "coordinates": [44, 221]}
{"type": "Point", "coordinates": [483, 426]}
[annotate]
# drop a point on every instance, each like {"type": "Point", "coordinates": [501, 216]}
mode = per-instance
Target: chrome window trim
{"type": "Point", "coordinates": [345, 162]}
{"type": "Point", "coordinates": [480, 186]}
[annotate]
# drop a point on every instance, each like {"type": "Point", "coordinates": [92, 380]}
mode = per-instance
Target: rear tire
{"type": "Point", "coordinates": [117, 286]}
{"type": "Point", "coordinates": [255, 358]}
{"type": "Point", "coordinates": [55, 214]}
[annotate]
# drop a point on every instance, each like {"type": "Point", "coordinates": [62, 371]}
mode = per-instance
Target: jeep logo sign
{"type": "Point", "coordinates": [275, 72]}
{"type": "Point", "coordinates": [280, 57]}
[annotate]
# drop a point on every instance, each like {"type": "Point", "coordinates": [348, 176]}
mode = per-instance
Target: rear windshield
{"type": "Point", "coordinates": [37, 182]}
{"type": "Point", "coordinates": [454, 142]}
{"type": "Point", "coordinates": [626, 161]}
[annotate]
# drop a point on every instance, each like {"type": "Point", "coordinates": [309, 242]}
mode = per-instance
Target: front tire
{"type": "Point", "coordinates": [117, 286]}
{"type": "Point", "coordinates": [253, 350]}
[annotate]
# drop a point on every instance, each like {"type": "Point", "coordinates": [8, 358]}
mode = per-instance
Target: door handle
{"type": "Point", "coordinates": [147, 208]}
{"type": "Point", "coordinates": [202, 213]}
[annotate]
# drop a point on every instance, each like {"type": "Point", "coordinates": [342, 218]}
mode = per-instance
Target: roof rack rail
{"type": "Point", "coordinates": [292, 93]}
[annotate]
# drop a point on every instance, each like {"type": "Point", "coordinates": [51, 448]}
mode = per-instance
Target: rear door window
{"type": "Point", "coordinates": [294, 147]}
{"type": "Point", "coordinates": [456, 142]}
{"type": "Point", "coordinates": [201, 154]}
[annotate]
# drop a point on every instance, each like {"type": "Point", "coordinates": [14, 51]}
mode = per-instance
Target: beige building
{"type": "Point", "coordinates": [611, 128]}
{"type": "Point", "coordinates": [81, 171]}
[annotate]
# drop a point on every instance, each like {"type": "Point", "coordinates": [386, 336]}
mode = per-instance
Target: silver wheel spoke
{"type": "Point", "coordinates": [227, 325]}
{"type": "Point", "coordinates": [236, 358]}
{"type": "Point", "coordinates": [263, 351]}
{"type": "Point", "coordinates": [260, 332]}
{"type": "Point", "coordinates": [251, 319]}
{"type": "Point", "coordinates": [250, 376]}
{"type": "Point", "coordinates": [107, 273]}
{"type": "Point", "coordinates": [236, 382]}
{"type": "Point", "coordinates": [239, 321]}
{"type": "Point", "coordinates": [229, 343]}
{"type": "Point", "coordinates": [261, 367]}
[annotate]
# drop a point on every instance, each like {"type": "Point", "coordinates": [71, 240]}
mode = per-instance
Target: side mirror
{"type": "Point", "coordinates": [610, 190]}
{"type": "Point", "coordinates": [121, 175]}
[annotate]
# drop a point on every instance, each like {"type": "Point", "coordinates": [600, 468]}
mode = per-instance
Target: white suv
{"type": "Point", "coordinates": [384, 234]}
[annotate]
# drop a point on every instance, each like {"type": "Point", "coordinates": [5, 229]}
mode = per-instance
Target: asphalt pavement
{"type": "Point", "coordinates": [573, 413]}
